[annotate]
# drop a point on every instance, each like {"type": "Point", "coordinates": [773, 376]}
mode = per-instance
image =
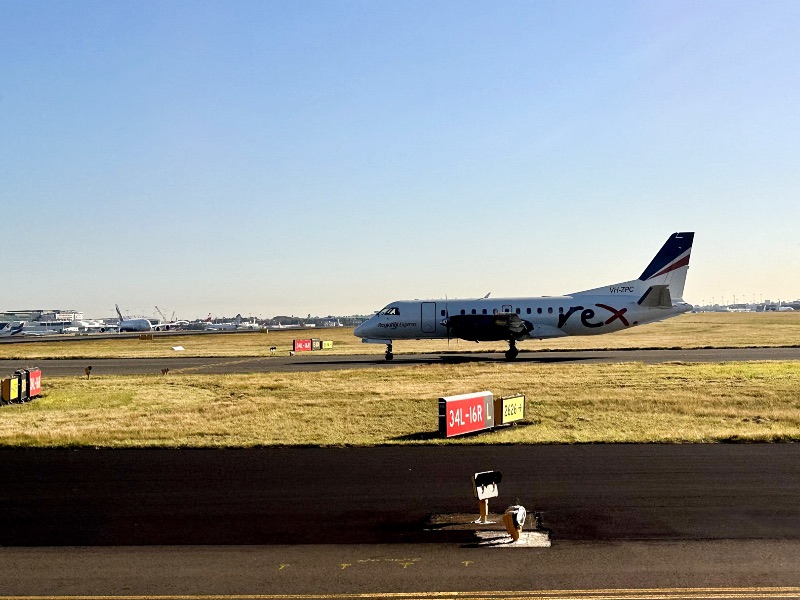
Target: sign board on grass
{"type": "Point", "coordinates": [466, 413]}
{"type": "Point", "coordinates": [509, 409]}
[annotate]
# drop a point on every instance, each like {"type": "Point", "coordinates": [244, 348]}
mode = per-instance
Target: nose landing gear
{"type": "Point", "coordinates": [389, 355]}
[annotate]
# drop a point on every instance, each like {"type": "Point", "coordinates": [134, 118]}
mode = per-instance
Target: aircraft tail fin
{"type": "Point", "coordinates": [11, 329]}
{"type": "Point", "coordinates": [670, 265]}
{"type": "Point", "coordinates": [119, 314]}
{"type": "Point", "coordinates": [666, 274]}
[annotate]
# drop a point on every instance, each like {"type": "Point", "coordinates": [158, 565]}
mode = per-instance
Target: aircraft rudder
{"type": "Point", "coordinates": [666, 268]}
{"type": "Point", "coordinates": [674, 254]}
{"type": "Point", "coordinates": [670, 265]}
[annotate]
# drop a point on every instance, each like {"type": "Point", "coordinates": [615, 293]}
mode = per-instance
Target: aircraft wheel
{"type": "Point", "coordinates": [389, 356]}
{"type": "Point", "coordinates": [511, 353]}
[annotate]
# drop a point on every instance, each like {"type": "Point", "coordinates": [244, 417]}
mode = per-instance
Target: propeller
{"type": "Point", "coordinates": [447, 319]}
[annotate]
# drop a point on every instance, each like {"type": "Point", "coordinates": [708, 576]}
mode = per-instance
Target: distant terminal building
{"type": "Point", "coordinates": [42, 319]}
{"type": "Point", "coordinates": [766, 306]}
{"type": "Point", "coordinates": [780, 306]}
{"type": "Point", "coordinates": [41, 315]}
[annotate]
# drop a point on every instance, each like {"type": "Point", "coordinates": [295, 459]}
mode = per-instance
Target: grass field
{"type": "Point", "coordinates": [628, 402]}
{"type": "Point", "coordinates": [698, 330]}
{"type": "Point", "coordinates": [566, 403]}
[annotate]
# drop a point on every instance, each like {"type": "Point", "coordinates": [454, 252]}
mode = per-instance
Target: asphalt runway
{"type": "Point", "coordinates": [345, 520]}
{"type": "Point", "coordinates": [320, 362]}
{"type": "Point", "coordinates": [626, 521]}
{"type": "Point", "coordinates": [727, 569]}
{"type": "Point", "coordinates": [386, 494]}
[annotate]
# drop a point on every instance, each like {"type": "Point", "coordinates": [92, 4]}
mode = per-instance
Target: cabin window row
{"type": "Point", "coordinates": [518, 311]}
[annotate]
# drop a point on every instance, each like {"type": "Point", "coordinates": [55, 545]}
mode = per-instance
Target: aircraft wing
{"type": "Point", "coordinates": [488, 328]}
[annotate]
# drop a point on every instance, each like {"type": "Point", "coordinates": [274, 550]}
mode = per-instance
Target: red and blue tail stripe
{"type": "Point", "coordinates": [673, 255]}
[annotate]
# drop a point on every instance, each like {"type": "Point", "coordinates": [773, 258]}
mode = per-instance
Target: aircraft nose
{"type": "Point", "coordinates": [359, 331]}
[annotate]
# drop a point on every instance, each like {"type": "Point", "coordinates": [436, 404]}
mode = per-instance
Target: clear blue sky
{"type": "Point", "coordinates": [329, 157]}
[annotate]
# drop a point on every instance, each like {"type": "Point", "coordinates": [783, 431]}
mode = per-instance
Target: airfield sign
{"type": "Point", "coordinates": [509, 409]}
{"type": "Point", "coordinates": [466, 413]}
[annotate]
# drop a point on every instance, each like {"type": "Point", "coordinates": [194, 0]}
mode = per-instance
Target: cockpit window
{"type": "Point", "coordinates": [390, 310]}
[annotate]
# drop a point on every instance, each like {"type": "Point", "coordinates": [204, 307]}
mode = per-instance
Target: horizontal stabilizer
{"type": "Point", "coordinates": [656, 296]}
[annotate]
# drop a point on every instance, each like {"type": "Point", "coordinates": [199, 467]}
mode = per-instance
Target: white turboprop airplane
{"type": "Point", "coordinates": [657, 294]}
{"type": "Point", "coordinates": [132, 324]}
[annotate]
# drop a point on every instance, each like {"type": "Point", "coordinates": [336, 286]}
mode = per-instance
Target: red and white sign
{"type": "Point", "coordinates": [35, 378]}
{"type": "Point", "coordinates": [466, 413]}
{"type": "Point", "coordinates": [302, 345]}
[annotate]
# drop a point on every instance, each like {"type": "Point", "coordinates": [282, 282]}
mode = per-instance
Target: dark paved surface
{"type": "Point", "coordinates": [385, 495]}
{"type": "Point", "coordinates": [341, 522]}
{"type": "Point", "coordinates": [311, 362]}
{"type": "Point", "coordinates": [338, 522]}
{"type": "Point", "coordinates": [658, 571]}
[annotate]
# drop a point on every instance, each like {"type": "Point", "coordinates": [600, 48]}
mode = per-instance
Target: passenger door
{"type": "Point", "coordinates": [428, 317]}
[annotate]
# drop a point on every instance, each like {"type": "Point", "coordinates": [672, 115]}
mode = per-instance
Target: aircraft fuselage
{"type": "Point", "coordinates": [655, 295]}
{"type": "Point", "coordinates": [542, 317]}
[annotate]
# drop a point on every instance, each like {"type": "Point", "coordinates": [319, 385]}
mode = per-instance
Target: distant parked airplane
{"type": "Point", "coordinates": [8, 329]}
{"type": "Point", "coordinates": [657, 294]}
{"type": "Point", "coordinates": [225, 326]}
{"type": "Point", "coordinates": [26, 329]}
{"type": "Point", "coordinates": [132, 324]}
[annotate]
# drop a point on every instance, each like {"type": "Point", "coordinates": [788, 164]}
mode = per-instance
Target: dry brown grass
{"type": "Point", "coordinates": [566, 403]}
{"type": "Point", "coordinates": [629, 402]}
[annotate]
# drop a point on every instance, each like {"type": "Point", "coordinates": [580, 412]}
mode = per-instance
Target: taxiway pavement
{"type": "Point", "coordinates": [321, 361]}
{"type": "Point", "coordinates": [351, 520]}
{"type": "Point", "coordinates": [637, 570]}
{"type": "Point", "coordinates": [386, 494]}
{"type": "Point", "coordinates": [626, 521]}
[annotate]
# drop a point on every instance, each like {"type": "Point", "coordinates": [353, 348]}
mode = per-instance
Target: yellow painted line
{"type": "Point", "coordinates": [602, 594]}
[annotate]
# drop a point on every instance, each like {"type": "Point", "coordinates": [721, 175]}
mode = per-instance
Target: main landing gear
{"type": "Point", "coordinates": [512, 351]}
{"type": "Point", "coordinates": [389, 355]}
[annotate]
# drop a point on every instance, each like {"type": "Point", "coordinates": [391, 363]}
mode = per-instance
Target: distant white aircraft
{"type": "Point", "coordinates": [132, 324]}
{"type": "Point", "coordinates": [25, 329]}
{"type": "Point", "coordinates": [657, 294]}
{"type": "Point", "coordinates": [166, 325]}
{"type": "Point", "coordinates": [252, 324]}
{"type": "Point", "coordinates": [89, 326]}
{"type": "Point", "coordinates": [224, 326]}
{"type": "Point", "coordinates": [9, 329]}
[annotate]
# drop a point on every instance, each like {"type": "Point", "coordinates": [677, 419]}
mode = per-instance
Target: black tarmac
{"type": "Point", "coordinates": [626, 521]}
{"type": "Point", "coordinates": [387, 494]}
{"type": "Point", "coordinates": [320, 362]}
